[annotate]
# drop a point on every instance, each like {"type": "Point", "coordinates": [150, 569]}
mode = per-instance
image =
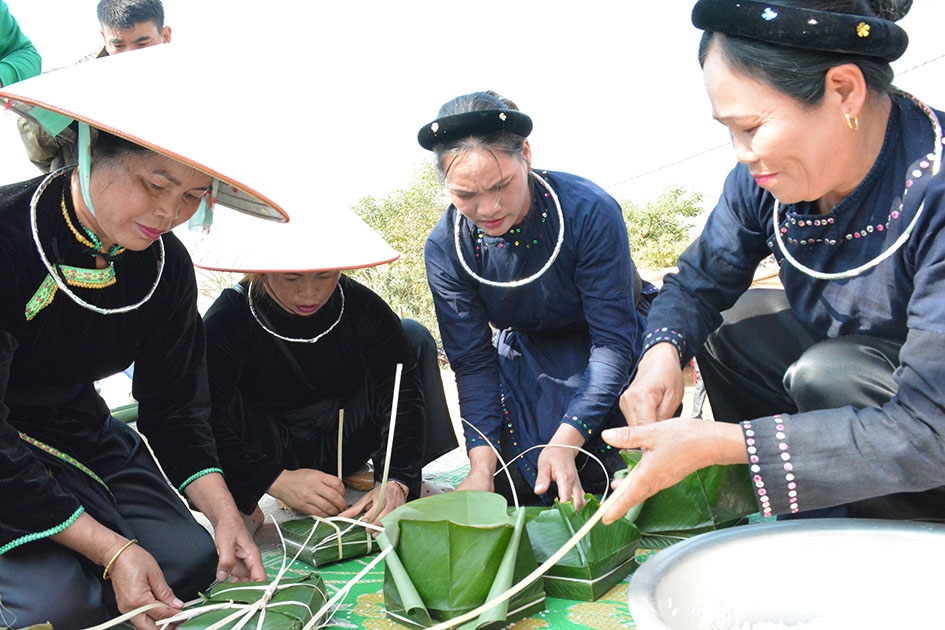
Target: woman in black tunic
{"type": "Point", "coordinates": [292, 345]}
{"type": "Point", "coordinates": [91, 280]}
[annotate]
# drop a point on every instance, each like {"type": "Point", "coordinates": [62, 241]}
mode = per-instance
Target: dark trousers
{"type": "Point", "coordinates": [43, 581]}
{"type": "Point", "coordinates": [762, 361]}
{"type": "Point", "coordinates": [440, 434]}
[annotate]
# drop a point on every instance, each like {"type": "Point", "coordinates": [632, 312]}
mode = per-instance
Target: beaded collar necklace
{"type": "Point", "coordinates": [523, 281]}
{"type": "Point", "coordinates": [252, 309]}
{"type": "Point", "coordinates": [934, 161]}
{"type": "Point", "coordinates": [59, 273]}
{"type": "Point", "coordinates": [89, 239]}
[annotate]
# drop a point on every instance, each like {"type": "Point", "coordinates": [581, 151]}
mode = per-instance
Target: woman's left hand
{"type": "Point", "coordinates": [393, 499]}
{"type": "Point", "coordinates": [556, 464]}
{"type": "Point", "coordinates": [239, 557]}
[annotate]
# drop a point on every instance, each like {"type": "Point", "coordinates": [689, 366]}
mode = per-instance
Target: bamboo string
{"type": "Point", "coordinates": [341, 432]}
{"type": "Point", "coordinates": [505, 467]}
{"type": "Point", "coordinates": [343, 591]}
{"type": "Point", "coordinates": [327, 541]}
{"type": "Point", "coordinates": [570, 446]}
{"type": "Point", "coordinates": [111, 623]}
{"type": "Point", "coordinates": [341, 549]}
{"type": "Point", "coordinates": [390, 440]}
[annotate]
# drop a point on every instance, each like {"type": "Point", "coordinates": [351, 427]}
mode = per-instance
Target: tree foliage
{"type": "Point", "coordinates": [660, 230]}
{"type": "Point", "coordinates": [404, 218]}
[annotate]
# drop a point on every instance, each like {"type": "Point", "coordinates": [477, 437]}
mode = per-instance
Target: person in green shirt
{"type": "Point", "coordinates": [19, 59]}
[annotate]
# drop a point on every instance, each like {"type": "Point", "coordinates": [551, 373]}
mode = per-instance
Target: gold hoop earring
{"type": "Point", "coordinates": [852, 121]}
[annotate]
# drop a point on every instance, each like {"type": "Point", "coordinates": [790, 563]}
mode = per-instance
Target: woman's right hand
{"type": "Point", "coordinates": [138, 581]}
{"type": "Point", "coordinates": [482, 463]}
{"type": "Point", "coordinates": [657, 389]}
{"type": "Point", "coordinates": [310, 492]}
{"type": "Point", "coordinates": [134, 573]}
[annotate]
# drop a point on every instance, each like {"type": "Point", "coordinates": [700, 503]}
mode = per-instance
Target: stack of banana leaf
{"type": "Point", "coordinates": [708, 499]}
{"type": "Point", "coordinates": [453, 552]}
{"type": "Point", "coordinates": [292, 604]}
{"type": "Point", "coordinates": [600, 560]}
{"type": "Point", "coordinates": [330, 542]}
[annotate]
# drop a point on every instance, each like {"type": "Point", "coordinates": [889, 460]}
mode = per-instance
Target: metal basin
{"type": "Point", "coordinates": [810, 574]}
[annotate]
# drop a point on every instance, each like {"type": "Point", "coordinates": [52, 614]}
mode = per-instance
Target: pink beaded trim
{"type": "Point", "coordinates": [924, 165]}
{"type": "Point", "coordinates": [667, 335]}
{"type": "Point", "coordinates": [754, 463]}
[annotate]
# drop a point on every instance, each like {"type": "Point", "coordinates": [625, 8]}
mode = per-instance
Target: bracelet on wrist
{"type": "Point", "coordinates": [107, 573]}
{"type": "Point", "coordinates": [400, 486]}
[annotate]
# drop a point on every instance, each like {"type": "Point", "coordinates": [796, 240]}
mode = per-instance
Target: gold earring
{"type": "Point", "coordinates": [852, 122]}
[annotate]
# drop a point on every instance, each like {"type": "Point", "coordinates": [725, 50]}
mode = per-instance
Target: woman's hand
{"type": "Point", "coordinates": [657, 389]}
{"type": "Point", "coordinates": [393, 499]}
{"type": "Point", "coordinates": [556, 464]}
{"type": "Point", "coordinates": [239, 558]}
{"type": "Point", "coordinates": [134, 573]}
{"type": "Point", "coordinates": [482, 463]}
{"type": "Point", "coordinates": [671, 450]}
{"type": "Point", "coordinates": [310, 492]}
{"type": "Point", "coordinates": [138, 581]}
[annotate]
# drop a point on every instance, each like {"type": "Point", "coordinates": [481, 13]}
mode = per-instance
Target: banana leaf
{"type": "Point", "coordinates": [600, 560]}
{"type": "Point", "coordinates": [291, 607]}
{"type": "Point", "coordinates": [453, 552]}
{"type": "Point", "coordinates": [322, 547]}
{"type": "Point", "coordinates": [711, 498]}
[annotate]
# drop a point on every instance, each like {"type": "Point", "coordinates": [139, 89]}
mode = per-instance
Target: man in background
{"type": "Point", "coordinates": [131, 24]}
{"type": "Point", "coordinates": [126, 25]}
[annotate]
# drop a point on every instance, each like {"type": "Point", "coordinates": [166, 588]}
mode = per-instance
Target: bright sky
{"type": "Point", "coordinates": [613, 86]}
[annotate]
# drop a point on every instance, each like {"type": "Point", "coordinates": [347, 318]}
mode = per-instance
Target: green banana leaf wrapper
{"type": "Point", "coordinates": [322, 547]}
{"type": "Point", "coordinates": [453, 552]}
{"type": "Point", "coordinates": [291, 607]}
{"type": "Point", "coordinates": [712, 498]}
{"type": "Point", "coordinates": [598, 561]}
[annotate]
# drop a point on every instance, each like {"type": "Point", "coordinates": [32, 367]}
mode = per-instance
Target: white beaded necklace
{"type": "Point", "coordinates": [515, 283]}
{"type": "Point", "coordinates": [53, 269]}
{"type": "Point", "coordinates": [936, 159]}
{"type": "Point", "coordinates": [252, 309]}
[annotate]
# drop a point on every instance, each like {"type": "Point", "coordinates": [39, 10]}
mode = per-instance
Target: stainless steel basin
{"type": "Point", "coordinates": [818, 573]}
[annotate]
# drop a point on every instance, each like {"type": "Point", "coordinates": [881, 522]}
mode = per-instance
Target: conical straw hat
{"type": "Point", "coordinates": [312, 241]}
{"type": "Point", "coordinates": [167, 98]}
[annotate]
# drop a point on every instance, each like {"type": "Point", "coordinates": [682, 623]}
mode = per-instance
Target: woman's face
{"type": "Point", "coordinates": [796, 152]}
{"type": "Point", "coordinates": [301, 293]}
{"type": "Point", "coordinates": [140, 196]}
{"type": "Point", "coordinates": [490, 188]}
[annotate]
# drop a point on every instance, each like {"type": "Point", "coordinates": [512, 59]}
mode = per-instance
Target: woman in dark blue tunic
{"type": "Point", "coordinates": [833, 389]}
{"type": "Point", "coordinates": [542, 257]}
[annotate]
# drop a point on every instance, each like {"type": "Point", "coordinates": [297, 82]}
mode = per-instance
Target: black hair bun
{"type": "Point", "coordinates": [892, 10]}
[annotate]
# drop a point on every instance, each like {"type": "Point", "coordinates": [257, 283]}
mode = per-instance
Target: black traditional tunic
{"type": "Point", "coordinates": [254, 375]}
{"type": "Point", "coordinates": [50, 407]}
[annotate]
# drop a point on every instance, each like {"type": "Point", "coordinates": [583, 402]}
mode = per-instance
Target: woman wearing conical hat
{"type": "Point", "coordinates": [91, 280]}
{"type": "Point", "coordinates": [298, 351]}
